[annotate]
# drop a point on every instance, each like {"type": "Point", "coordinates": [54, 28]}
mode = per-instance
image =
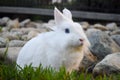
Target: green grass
{"type": "Point", "coordinates": [10, 72]}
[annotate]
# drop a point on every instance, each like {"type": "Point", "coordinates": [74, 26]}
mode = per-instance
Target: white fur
{"type": "Point", "coordinates": [56, 48]}
{"type": "Point", "coordinates": [67, 13]}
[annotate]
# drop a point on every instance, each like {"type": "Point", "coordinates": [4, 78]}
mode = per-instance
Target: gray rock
{"type": "Point", "coordinates": [32, 34]}
{"type": "Point", "coordinates": [12, 53]}
{"type": "Point", "coordinates": [112, 26]}
{"type": "Point", "coordinates": [100, 27]}
{"type": "Point", "coordinates": [116, 38]}
{"type": "Point", "coordinates": [25, 31]}
{"type": "Point", "coordinates": [23, 23]}
{"type": "Point", "coordinates": [3, 42]}
{"type": "Point", "coordinates": [5, 29]}
{"type": "Point", "coordinates": [107, 32]}
{"type": "Point", "coordinates": [48, 26]}
{"type": "Point", "coordinates": [13, 24]}
{"type": "Point", "coordinates": [31, 24]}
{"type": "Point", "coordinates": [101, 43]}
{"type": "Point", "coordinates": [115, 32]}
{"type": "Point", "coordinates": [51, 21]}
{"type": "Point", "coordinates": [85, 25]}
{"type": "Point", "coordinates": [16, 43]}
{"type": "Point", "coordinates": [4, 21]}
{"type": "Point", "coordinates": [11, 35]}
{"type": "Point", "coordinates": [44, 27]}
{"type": "Point", "coordinates": [24, 37]}
{"type": "Point", "coordinates": [110, 64]}
{"type": "Point", "coordinates": [18, 31]}
{"type": "Point", "coordinates": [88, 60]}
{"type": "Point", "coordinates": [21, 30]}
{"type": "Point", "coordinates": [1, 23]}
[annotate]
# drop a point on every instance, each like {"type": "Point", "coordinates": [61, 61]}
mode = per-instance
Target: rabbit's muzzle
{"type": "Point", "coordinates": [81, 41]}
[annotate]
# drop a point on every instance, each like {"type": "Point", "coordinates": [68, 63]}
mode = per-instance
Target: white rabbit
{"type": "Point", "coordinates": [62, 47]}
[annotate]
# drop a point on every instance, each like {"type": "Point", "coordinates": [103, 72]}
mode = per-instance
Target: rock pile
{"type": "Point", "coordinates": [104, 39]}
{"type": "Point", "coordinates": [14, 34]}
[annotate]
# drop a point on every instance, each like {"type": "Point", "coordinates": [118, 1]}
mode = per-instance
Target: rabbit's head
{"type": "Point", "coordinates": [71, 31]}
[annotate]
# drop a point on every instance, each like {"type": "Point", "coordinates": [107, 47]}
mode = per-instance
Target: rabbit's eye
{"type": "Point", "coordinates": [67, 30]}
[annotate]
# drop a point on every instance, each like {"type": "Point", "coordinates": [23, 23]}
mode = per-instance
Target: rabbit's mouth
{"type": "Point", "coordinates": [81, 44]}
{"type": "Point", "coordinates": [78, 48]}
{"type": "Point", "coordinates": [77, 45]}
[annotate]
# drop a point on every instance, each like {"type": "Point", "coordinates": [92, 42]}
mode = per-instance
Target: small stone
{"type": "Point", "coordinates": [12, 53]}
{"type": "Point", "coordinates": [24, 31]}
{"type": "Point", "coordinates": [85, 25]}
{"type": "Point", "coordinates": [3, 42]}
{"type": "Point", "coordinates": [110, 64]}
{"type": "Point", "coordinates": [31, 24]}
{"type": "Point", "coordinates": [13, 24]}
{"type": "Point", "coordinates": [107, 32]}
{"type": "Point", "coordinates": [48, 26]}
{"type": "Point", "coordinates": [4, 21]}
{"type": "Point", "coordinates": [16, 43]}
{"type": "Point", "coordinates": [115, 32]}
{"type": "Point", "coordinates": [112, 26]}
{"type": "Point", "coordinates": [116, 38]}
{"type": "Point", "coordinates": [32, 34]}
{"type": "Point", "coordinates": [24, 38]}
{"type": "Point", "coordinates": [101, 27]}
{"type": "Point", "coordinates": [18, 31]}
{"type": "Point", "coordinates": [51, 21]}
{"type": "Point", "coordinates": [25, 22]}
{"type": "Point", "coordinates": [39, 25]}
{"type": "Point", "coordinates": [5, 29]}
{"type": "Point", "coordinates": [11, 35]}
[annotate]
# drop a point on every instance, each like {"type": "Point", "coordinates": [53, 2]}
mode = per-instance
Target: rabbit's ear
{"type": "Point", "coordinates": [59, 17]}
{"type": "Point", "coordinates": [67, 13]}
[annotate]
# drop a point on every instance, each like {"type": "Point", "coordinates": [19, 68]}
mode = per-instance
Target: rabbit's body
{"type": "Point", "coordinates": [62, 47]}
{"type": "Point", "coordinates": [50, 55]}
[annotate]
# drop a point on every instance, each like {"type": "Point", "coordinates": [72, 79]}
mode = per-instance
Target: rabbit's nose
{"type": "Point", "coordinates": [81, 40]}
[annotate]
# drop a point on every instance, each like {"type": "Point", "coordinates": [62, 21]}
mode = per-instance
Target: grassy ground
{"type": "Point", "coordinates": [9, 72]}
